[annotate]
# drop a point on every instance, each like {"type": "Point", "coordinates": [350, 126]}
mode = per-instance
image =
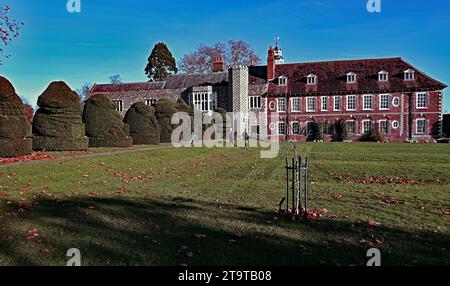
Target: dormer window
{"type": "Point", "coordinates": [351, 77]}
{"type": "Point", "coordinates": [311, 79]}
{"type": "Point", "coordinates": [383, 76]}
{"type": "Point", "coordinates": [282, 81]}
{"type": "Point", "coordinates": [409, 74]}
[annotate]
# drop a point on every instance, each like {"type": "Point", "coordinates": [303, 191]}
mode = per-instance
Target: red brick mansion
{"type": "Point", "coordinates": [404, 101]}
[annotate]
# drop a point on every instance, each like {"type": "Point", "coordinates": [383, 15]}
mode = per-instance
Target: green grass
{"type": "Point", "coordinates": [219, 207]}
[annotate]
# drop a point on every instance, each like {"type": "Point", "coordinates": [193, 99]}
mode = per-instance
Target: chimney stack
{"type": "Point", "coordinates": [271, 64]}
{"type": "Point", "coordinates": [218, 64]}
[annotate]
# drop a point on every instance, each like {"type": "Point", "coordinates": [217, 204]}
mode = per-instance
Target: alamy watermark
{"type": "Point", "coordinates": [217, 130]}
{"type": "Point", "coordinates": [375, 257]}
{"type": "Point", "coordinates": [75, 257]}
{"type": "Point", "coordinates": [73, 6]}
{"type": "Point", "coordinates": [374, 6]}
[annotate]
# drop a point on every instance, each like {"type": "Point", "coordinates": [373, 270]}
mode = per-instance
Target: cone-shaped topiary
{"type": "Point", "coordinates": [104, 125]}
{"type": "Point", "coordinates": [144, 127]}
{"type": "Point", "coordinates": [14, 126]}
{"type": "Point", "coordinates": [58, 125]}
{"type": "Point", "coordinates": [165, 109]}
{"type": "Point", "coordinates": [224, 130]}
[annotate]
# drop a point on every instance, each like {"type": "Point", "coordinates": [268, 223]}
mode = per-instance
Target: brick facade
{"type": "Point", "coordinates": [411, 109]}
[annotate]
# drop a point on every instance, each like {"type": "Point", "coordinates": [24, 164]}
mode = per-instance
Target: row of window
{"type": "Point", "coordinates": [119, 103]}
{"type": "Point", "coordinates": [368, 103]}
{"type": "Point", "coordinates": [383, 76]}
{"type": "Point", "coordinates": [352, 127]}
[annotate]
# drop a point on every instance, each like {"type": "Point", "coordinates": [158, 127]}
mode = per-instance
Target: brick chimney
{"type": "Point", "coordinates": [218, 64]}
{"type": "Point", "coordinates": [271, 65]}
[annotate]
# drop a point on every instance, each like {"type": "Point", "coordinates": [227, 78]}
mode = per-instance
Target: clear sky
{"type": "Point", "coordinates": [115, 36]}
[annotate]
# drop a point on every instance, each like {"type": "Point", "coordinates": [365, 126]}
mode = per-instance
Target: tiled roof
{"type": "Point", "coordinates": [123, 87]}
{"type": "Point", "coordinates": [331, 77]}
{"type": "Point", "coordinates": [190, 80]}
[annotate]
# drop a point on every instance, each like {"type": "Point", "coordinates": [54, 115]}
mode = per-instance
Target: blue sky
{"type": "Point", "coordinates": [115, 36]}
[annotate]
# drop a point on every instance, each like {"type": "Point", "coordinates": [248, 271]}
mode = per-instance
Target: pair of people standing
{"type": "Point", "coordinates": [233, 137]}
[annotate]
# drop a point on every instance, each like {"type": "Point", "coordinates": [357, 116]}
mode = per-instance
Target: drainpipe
{"type": "Point", "coordinates": [410, 116]}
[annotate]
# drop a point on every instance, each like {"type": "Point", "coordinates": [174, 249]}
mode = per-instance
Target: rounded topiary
{"type": "Point", "coordinates": [341, 130]}
{"type": "Point", "coordinates": [144, 128]}
{"type": "Point", "coordinates": [58, 125]}
{"type": "Point", "coordinates": [165, 109]}
{"type": "Point", "coordinates": [104, 125]}
{"type": "Point", "coordinates": [14, 126]}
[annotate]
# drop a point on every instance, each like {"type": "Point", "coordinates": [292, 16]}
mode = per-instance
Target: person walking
{"type": "Point", "coordinates": [193, 139]}
{"type": "Point", "coordinates": [247, 139]}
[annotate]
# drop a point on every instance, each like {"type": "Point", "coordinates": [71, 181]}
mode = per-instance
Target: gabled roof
{"type": "Point", "coordinates": [180, 81]}
{"type": "Point", "coordinates": [124, 87]}
{"type": "Point", "coordinates": [332, 77]}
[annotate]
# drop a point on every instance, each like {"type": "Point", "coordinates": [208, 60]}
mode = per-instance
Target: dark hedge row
{"type": "Point", "coordinates": [104, 125]}
{"type": "Point", "coordinates": [165, 109]}
{"type": "Point", "coordinates": [14, 126]}
{"type": "Point", "coordinates": [58, 125]}
{"type": "Point", "coordinates": [144, 128]}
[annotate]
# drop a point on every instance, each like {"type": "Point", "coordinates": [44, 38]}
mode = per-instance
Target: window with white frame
{"type": "Point", "coordinates": [367, 126]}
{"type": "Point", "coordinates": [119, 105]}
{"type": "Point", "coordinates": [281, 128]}
{"type": "Point", "coordinates": [324, 103]}
{"type": "Point", "coordinates": [396, 102]}
{"type": "Point", "coordinates": [384, 126]}
{"type": "Point", "coordinates": [409, 74]}
{"type": "Point", "coordinates": [422, 100]}
{"type": "Point", "coordinates": [351, 126]}
{"type": "Point", "coordinates": [351, 102]}
{"type": "Point", "coordinates": [296, 128]}
{"type": "Point", "coordinates": [351, 77]}
{"type": "Point", "coordinates": [296, 104]}
{"type": "Point", "coordinates": [281, 105]}
{"type": "Point", "coordinates": [383, 76]}
{"type": "Point", "coordinates": [255, 102]}
{"type": "Point", "coordinates": [311, 79]}
{"type": "Point", "coordinates": [203, 101]}
{"type": "Point", "coordinates": [282, 81]}
{"type": "Point", "coordinates": [385, 100]}
{"type": "Point", "coordinates": [310, 104]}
{"type": "Point", "coordinates": [337, 103]}
{"type": "Point", "coordinates": [395, 124]}
{"type": "Point", "coordinates": [150, 102]}
{"type": "Point", "coordinates": [421, 126]}
{"type": "Point", "coordinates": [367, 102]}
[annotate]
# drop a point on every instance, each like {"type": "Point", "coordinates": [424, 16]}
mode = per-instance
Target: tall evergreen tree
{"type": "Point", "coordinates": [161, 63]}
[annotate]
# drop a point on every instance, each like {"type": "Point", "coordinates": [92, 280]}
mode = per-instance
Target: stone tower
{"type": "Point", "coordinates": [239, 98]}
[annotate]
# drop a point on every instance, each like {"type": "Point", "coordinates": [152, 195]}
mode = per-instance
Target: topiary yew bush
{"type": "Point", "coordinates": [14, 126]}
{"type": "Point", "coordinates": [104, 125]}
{"type": "Point", "coordinates": [58, 124]}
{"type": "Point", "coordinates": [144, 128]}
{"type": "Point", "coordinates": [165, 109]}
{"type": "Point", "coordinates": [341, 131]}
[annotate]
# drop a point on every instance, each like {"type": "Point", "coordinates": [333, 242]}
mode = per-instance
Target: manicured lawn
{"type": "Point", "coordinates": [219, 207]}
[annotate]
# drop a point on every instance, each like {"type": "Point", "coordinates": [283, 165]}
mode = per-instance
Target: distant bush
{"type": "Point", "coordinates": [165, 109]}
{"type": "Point", "coordinates": [144, 128]}
{"type": "Point", "coordinates": [316, 131]}
{"type": "Point", "coordinates": [374, 135]}
{"type": "Point", "coordinates": [341, 131]}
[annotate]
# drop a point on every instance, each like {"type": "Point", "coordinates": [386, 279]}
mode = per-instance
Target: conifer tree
{"type": "Point", "coordinates": [161, 63]}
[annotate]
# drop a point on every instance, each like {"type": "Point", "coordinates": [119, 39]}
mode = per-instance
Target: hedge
{"type": "Point", "coordinates": [58, 125]}
{"type": "Point", "coordinates": [14, 125]}
{"type": "Point", "coordinates": [104, 125]}
{"type": "Point", "coordinates": [144, 128]}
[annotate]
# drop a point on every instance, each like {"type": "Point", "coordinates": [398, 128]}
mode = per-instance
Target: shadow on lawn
{"type": "Point", "coordinates": [127, 231]}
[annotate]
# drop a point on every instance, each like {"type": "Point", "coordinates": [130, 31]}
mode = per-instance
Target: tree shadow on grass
{"type": "Point", "coordinates": [132, 231]}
